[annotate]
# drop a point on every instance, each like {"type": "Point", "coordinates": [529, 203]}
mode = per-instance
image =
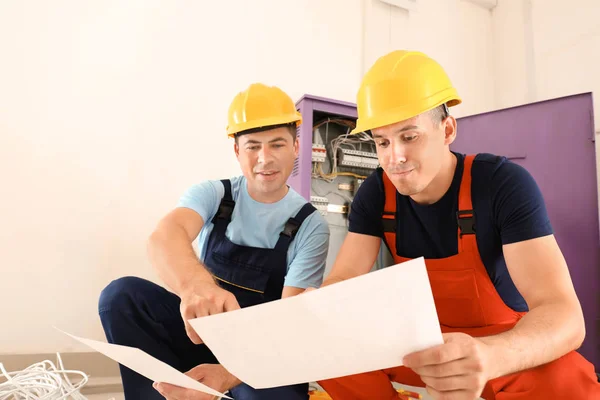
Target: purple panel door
{"type": "Point", "coordinates": [553, 140]}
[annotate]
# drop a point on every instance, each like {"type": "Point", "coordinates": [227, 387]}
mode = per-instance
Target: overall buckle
{"type": "Point", "coordinates": [466, 222]}
{"type": "Point", "coordinates": [291, 228]}
{"type": "Point", "coordinates": [225, 209]}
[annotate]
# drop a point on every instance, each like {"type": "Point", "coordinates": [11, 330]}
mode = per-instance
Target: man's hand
{"type": "Point", "coordinates": [215, 376]}
{"type": "Point", "coordinates": [455, 370]}
{"type": "Point", "coordinates": [201, 299]}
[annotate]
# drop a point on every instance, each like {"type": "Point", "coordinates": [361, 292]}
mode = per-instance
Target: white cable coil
{"type": "Point", "coordinates": [42, 381]}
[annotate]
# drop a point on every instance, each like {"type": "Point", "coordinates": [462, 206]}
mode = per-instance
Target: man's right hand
{"type": "Point", "coordinates": [214, 376]}
{"type": "Point", "coordinates": [201, 299]}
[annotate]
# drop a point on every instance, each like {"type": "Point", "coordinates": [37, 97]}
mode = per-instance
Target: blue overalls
{"type": "Point", "coordinates": [139, 313]}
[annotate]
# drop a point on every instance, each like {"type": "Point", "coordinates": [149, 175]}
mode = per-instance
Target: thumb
{"type": "Point", "coordinates": [198, 373]}
{"type": "Point", "coordinates": [454, 337]}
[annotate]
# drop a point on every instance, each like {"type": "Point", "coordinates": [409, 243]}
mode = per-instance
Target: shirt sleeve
{"type": "Point", "coordinates": [204, 198]}
{"type": "Point", "coordinates": [518, 205]}
{"type": "Point", "coordinates": [367, 207]}
{"type": "Point", "coordinates": [310, 254]}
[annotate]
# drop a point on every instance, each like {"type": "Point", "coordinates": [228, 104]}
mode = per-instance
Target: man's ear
{"type": "Point", "coordinates": [450, 127]}
{"type": "Point", "coordinates": [296, 147]}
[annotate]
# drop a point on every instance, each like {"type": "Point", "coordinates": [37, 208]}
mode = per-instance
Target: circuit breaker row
{"type": "Point", "coordinates": [358, 159]}
{"type": "Point", "coordinates": [347, 157]}
{"type": "Point", "coordinates": [324, 207]}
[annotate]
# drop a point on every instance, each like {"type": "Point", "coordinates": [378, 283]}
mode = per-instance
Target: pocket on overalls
{"type": "Point", "coordinates": [246, 282]}
{"type": "Point", "coordinates": [456, 298]}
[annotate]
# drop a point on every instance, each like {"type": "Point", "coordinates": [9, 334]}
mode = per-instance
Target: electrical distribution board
{"type": "Point", "coordinates": [333, 165]}
{"type": "Point", "coordinates": [340, 164]}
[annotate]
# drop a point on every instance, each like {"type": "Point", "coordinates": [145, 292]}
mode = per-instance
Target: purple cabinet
{"type": "Point", "coordinates": [554, 141]}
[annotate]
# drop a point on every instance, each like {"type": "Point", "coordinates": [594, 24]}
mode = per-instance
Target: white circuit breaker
{"type": "Point", "coordinates": [320, 203]}
{"type": "Point", "coordinates": [319, 153]}
{"type": "Point", "coordinates": [359, 159]}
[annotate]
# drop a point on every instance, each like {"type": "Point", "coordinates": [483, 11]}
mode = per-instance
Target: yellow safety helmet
{"type": "Point", "coordinates": [399, 86]}
{"type": "Point", "coordinates": [261, 106]}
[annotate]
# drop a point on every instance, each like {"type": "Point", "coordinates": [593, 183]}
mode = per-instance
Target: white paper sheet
{"type": "Point", "coordinates": [363, 324]}
{"type": "Point", "coordinates": [146, 365]}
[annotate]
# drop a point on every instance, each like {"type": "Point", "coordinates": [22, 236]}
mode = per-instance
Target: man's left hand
{"type": "Point", "coordinates": [456, 370]}
{"type": "Point", "coordinates": [214, 376]}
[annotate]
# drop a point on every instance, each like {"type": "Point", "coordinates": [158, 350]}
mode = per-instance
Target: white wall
{"type": "Point", "coordinates": [109, 110]}
{"type": "Point", "coordinates": [457, 33]}
{"type": "Point", "coordinates": [513, 64]}
{"type": "Point", "coordinates": [567, 48]}
{"type": "Point", "coordinates": [546, 49]}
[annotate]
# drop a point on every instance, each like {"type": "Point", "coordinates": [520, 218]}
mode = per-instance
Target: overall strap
{"type": "Point", "coordinates": [292, 226]}
{"type": "Point", "coordinates": [389, 214]}
{"type": "Point", "coordinates": [465, 215]}
{"type": "Point", "coordinates": [223, 216]}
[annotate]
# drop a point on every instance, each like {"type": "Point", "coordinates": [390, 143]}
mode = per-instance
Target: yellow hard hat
{"type": "Point", "coordinates": [261, 106]}
{"type": "Point", "coordinates": [399, 86]}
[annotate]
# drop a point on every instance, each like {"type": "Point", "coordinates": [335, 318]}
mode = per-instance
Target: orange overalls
{"type": "Point", "coordinates": [467, 301]}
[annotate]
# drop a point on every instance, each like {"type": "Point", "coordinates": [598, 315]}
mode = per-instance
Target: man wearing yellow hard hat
{"type": "Point", "coordinates": [505, 301]}
{"type": "Point", "coordinates": [259, 241]}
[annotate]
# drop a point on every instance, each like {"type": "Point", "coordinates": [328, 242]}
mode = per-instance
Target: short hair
{"type": "Point", "coordinates": [291, 127]}
{"type": "Point", "coordinates": [439, 113]}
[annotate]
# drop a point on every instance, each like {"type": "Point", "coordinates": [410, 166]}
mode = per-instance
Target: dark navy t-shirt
{"type": "Point", "coordinates": [508, 207]}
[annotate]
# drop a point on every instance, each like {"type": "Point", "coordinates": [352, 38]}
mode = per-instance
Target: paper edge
{"type": "Point", "coordinates": [216, 392]}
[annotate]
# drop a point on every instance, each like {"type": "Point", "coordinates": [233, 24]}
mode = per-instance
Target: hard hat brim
{"type": "Point", "coordinates": [449, 97]}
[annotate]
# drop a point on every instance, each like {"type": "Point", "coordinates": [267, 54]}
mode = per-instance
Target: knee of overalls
{"type": "Point", "coordinates": [119, 294]}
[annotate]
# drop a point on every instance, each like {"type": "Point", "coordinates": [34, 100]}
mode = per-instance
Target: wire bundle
{"type": "Point", "coordinates": [349, 141]}
{"type": "Point", "coordinates": [345, 140]}
{"type": "Point", "coordinates": [42, 380]}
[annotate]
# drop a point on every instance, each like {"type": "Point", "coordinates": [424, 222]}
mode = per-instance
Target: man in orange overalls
{"type": "Point", "coordinates": [506, 304]}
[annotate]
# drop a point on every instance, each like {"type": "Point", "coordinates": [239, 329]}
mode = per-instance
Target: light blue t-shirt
{"type": "Point", "coordinates": [258, 224]}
